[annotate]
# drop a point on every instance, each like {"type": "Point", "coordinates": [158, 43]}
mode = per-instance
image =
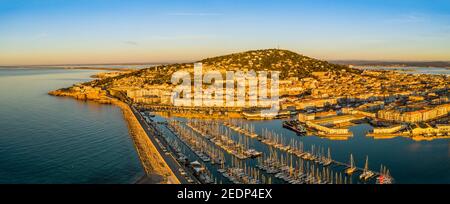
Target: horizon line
{"type": "Point", "coordinates": [190, 61]}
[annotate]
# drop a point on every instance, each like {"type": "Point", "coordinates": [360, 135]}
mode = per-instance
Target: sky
{"type": "Point", "coordinates": [40, 32]}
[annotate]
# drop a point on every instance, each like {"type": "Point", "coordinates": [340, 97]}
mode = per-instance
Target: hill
{"type": "Point", "coordinates": [289, 63]}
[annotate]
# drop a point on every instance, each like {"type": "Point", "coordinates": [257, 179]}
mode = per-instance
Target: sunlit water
{"type": "Point", "coordinates": [414, 70]}
{"type": "Point", "coordinates": [46, 139]}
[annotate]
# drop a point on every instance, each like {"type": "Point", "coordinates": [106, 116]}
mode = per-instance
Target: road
{"type": "Point", "coordinates": [168, 158]}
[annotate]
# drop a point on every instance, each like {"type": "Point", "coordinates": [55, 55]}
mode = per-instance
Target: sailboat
{"type": "Point", "coordinates": [385, 177]}
{"type": "Point", "coordinates": [367, 174]}
{"type": "Point", "coordinates": [328, 160]}
{"type": "Point", "coordinates": [352, 167]}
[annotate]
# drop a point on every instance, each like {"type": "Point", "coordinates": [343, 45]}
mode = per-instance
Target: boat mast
{"type": "Point", "coordinates": [329, 154]}
{"type": "Point", "coordinates": [352, 161]}
{"type": "Point", "coordinates": [366, 166]}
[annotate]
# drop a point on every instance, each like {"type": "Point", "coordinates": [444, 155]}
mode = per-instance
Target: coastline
{"type": "Point", "coordinates": [100, 68]}
{"type": "Point", "coordinates": [156, 169]}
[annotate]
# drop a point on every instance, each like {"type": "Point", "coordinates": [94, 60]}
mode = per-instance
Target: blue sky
{"type": "Point", "coordinates": [112, 31]}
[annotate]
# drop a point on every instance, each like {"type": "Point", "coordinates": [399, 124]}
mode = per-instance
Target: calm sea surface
{"type": "Point", "coordinates": [45, 139]}
{"type": "Point", "coordinates": [415, 70]}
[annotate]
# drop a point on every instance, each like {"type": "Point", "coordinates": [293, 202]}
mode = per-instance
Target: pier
{"type": "Point", "coordinates": [190, 109]}
{"type": "Point", "coordinates": [155, 137]}
{"type": "Point", "coordinates": [241, 129]}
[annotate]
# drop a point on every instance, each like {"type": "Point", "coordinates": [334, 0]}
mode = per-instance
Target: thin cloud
{"type": "Point", "coordinates": [193, 14]}
{"type": "Point", "coordinates": [131, 43]}
{"type": "Point", "coordinates": [41, 36]}
{"type": "Point", "coordinates": [183, 37]}
{"type": "Point", "coordinates": [410, 18]}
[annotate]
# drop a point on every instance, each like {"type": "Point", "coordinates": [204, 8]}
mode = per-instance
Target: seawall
{"type": "Point", "coordinates": [156, 169]}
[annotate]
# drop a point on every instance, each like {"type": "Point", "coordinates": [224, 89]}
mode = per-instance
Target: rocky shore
{"type": "Point", "coordinates": [157, 171]}
{"type": "Point", "coordinates": [91, 94]}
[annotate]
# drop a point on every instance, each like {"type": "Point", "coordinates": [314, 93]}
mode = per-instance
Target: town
{"type": "Point", "coordinates": [327, 102]}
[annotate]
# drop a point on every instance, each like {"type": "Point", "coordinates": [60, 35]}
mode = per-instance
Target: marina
{"type": "Point", "coordinates": [227, 155]}
{"type": "Point", "coordinates": [221, 139]}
